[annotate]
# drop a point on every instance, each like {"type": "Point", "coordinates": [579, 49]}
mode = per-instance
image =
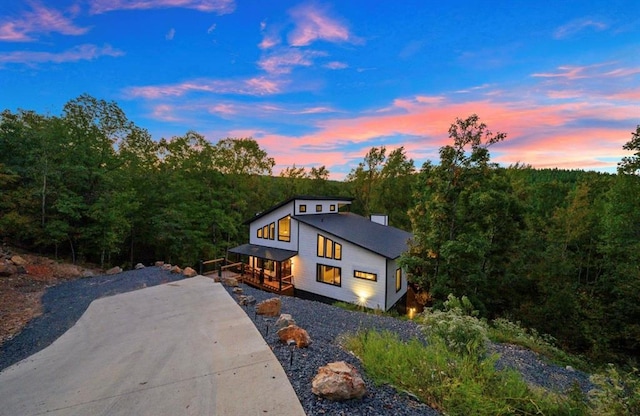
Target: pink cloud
{"type": "Point", "coordinates": [576, 26]}
{"type": "Point", "coordinates": [313, 23]}
{"type": "Point", "coordinates": [253, 86]}
{"type": "Point", "coordinates": [210, 6]}
{"type": "Point", "coordinates": [336, 65]}
{"type": "Point", "coordinates": [39, 20]}
{"type": "Point", "coordinates": [85, 52]}
{"type": "Point", "coordinates": [282, 62]}
{"type": "Point", "coordinates": [589, 71]}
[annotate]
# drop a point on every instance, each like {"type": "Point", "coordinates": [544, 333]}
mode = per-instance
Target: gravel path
{"type": "Point", "coordinates": [65, 303]}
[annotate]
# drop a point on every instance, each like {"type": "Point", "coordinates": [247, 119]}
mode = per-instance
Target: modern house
{"type": "Point", "coordinates": [315, 246]}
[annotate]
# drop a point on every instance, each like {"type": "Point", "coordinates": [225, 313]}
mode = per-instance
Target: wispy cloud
{"type": "Point", "coordinates": [576, 26]}
{"type": "Point", "coordinates": [270, 36]}
{"type": "Point", "coordinates": [39, 20]}
{"type": "Point", "coordinates": [252, 86]}
{"type": "Point", "coordinates": [589, 71]}
{"type": "Point", "coordinates": [170, 34]}
{"type": "Point", "coordinates": [85, 52]}
{"type": "Point", "coordinates": [336, 65]}
{"type": "Point", "coordinates": [314, 23]}
{"type": "Point", "coordinates": [210, 6]}
{"type": "Point", "coordinates": [284, 60]}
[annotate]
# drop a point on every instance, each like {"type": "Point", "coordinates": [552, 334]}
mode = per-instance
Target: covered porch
{"type": "Point", "coordinates": [264, 267]}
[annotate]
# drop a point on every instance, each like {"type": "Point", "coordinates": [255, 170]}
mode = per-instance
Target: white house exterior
{"type": "Point", "coordinates": [314, 246]}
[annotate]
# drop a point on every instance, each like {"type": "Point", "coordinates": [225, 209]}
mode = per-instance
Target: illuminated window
{"type": "Point", "coordinates": [259, 232]}
{"type": "Point", "coordinates": [265, 231]}
{"type": "Point", "coordinates": [332, 207]}
{"type": "Point", "coordinates": [272, 231]}
{"type": "Point", "coordinates": [365, 275]}
{"type": "Point", "coordinates": [329, 248]}
{"type": "Point", "coordinates": [328, 274]}
{"type": "Point", "coordinates": [303, 208]}
{"type": "Point", "coordinates": [319, 208]}
{"type": "Point", "coordinates": [398, 280]}
{"type": "Point", "coordinates": [284, 229]}
{"type": "Point", "coordinates": [321, 245]}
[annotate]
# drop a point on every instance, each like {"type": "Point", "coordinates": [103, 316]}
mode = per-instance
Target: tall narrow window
{"type": "Point", "coordinates": [260, 232]}
{"type": "Point", "coordinates": [398, 280]}
{"type": "Point", "coordinates": [272, 231]}
{"type": "Point", "coordinates": [284, 229]}
{"type": "Point", "coordinates": [328, 274]}
{"type": "Point", "coordinates": [320, 245]}
{"type": "Point", "coordinates": [337, 251]}
{"type": "Point", "coordinates": [265, 231]}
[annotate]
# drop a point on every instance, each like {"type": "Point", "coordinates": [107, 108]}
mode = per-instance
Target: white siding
{"type": "Point", "coordinates": [273, 217]}
{"type": "Point", "coordinates": [392, 295]}
{"type": "Point", "coordinates": [325, 206]}
{"type": "Point", "coordinates": [353, 290]}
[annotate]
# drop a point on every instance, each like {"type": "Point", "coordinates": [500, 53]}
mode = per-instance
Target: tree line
{"type": "Point", "coordinates": [557, 250]}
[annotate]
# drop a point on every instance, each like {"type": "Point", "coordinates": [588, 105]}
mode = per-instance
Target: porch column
{"type": "Point", "coordinates": [279, 275]}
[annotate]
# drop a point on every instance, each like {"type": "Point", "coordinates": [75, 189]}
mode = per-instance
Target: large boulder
{"type": "Point", "coordinates": [284, 320]}
{"type": "Point", "coordinates": [269, 307]}
{"type": "Point", "coordinates": [338, 381]}
{"type": "Point", "coordinates": [176, 269]}
{"type": "Point", "coordinates": [18, 261]}
{"type": "Point", "coordinates": [294, 333]}
{"type": "Point", "coordinates": [230, 281]}
{"type": "Point", "coordinates": [7, 268]}
{"type": "Point", "coordinates": [189, 272]}
{"type": "Point", "coordinates": [114, 270]}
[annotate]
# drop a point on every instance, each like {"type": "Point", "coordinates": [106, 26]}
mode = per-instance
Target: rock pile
{"type": "Point", "coordinates": [338, 381]}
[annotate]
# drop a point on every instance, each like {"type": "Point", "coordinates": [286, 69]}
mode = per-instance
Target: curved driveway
{"type": "Point", "coordinates": [182, 348]}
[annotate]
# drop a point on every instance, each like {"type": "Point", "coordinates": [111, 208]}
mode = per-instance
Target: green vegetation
{"type": "Point", "coordinates": [452, 372]}
{"type": "Point", "coordinates": [556, 250]}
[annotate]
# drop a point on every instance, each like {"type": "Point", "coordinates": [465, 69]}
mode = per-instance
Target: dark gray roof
{"type": "Point", "coordinates": [387, 241]}
{"type": "Point", "coordinates": [269, 253]}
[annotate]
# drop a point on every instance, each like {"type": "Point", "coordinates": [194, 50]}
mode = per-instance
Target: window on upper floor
{"type": "Point", "coordinates": [319, 208]}
{"type": "Point", "coordinates": [303, 208]}
{"type": "Point", "coordinates": [332, 207]}
{"type": "Point", "coordinates": [284, 229]}
{"type": "Point", "coordinates": [398, 280]}
{"type": "Point", "coordinates": [328, 248]}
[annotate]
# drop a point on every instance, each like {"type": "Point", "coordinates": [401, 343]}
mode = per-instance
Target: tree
{"type": "Point", "coordinates": [631, 164]}
{"type": "Point", "coordinates": [242, 157]}
{"type": "Point", "coordinates": [365, 179]}
{"type": "Point", "coordinates": [464, 219]}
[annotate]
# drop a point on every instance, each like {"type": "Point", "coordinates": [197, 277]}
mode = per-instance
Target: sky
{"type": "Point", "coordinates": [322, 82]}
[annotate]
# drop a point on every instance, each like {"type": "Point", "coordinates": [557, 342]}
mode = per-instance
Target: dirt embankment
{"type": "Point", "coordinates": [22, 284]}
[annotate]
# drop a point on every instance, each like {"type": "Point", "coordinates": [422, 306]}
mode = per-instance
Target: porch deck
{"type": "Point", "coordinates": [245, 274]}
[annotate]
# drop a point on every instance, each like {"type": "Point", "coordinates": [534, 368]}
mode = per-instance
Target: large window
{"type": "Point", "coordinates": [328, 248]}
{"type": "Point", "coordinates": [365, 275]}
{"type": "Point", "coordinates": [398, 280]}
{"type": "Point", "coordinates": [284, 229]}
{"type": "Point", "coordinates": [328, 274]}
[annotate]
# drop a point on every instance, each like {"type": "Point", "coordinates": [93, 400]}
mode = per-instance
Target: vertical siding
{"type": "Point", "coordinates": [273, 217]}
{"type": "Point", "coordinates": [352, 289]}
{"type": "Point", "coordinates": [392, 295]}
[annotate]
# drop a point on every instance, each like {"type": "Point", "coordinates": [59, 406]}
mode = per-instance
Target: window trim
{"type": "Point", "coordinates": [303, 208]}
{"type": "Point", "coordinates": [282, 237]}
{"type": "Point", "coordinates": [375, 275]}
{"type": "Point", "coordinates": [321, 245]}
{"type": "Point", "coordinates": [318, 267]}
{"type": "Point", "coordinates": [318, 207]}
{"type": "Point", "coordinates": [332, 207]}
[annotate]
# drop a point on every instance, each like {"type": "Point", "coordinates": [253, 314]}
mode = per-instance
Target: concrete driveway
{"type": "Point", "coordinates": [182, 348]}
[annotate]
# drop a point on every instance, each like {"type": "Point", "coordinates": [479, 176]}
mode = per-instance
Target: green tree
{"type": "Point", "coordinates": [465, 220]}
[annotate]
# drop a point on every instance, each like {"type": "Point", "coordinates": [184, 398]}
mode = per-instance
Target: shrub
{"type": "Point", "coordinates": [617, 392]}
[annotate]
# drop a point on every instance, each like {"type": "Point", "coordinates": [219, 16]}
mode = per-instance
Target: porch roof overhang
{"type": "Point", "coordinates": [263, 252]}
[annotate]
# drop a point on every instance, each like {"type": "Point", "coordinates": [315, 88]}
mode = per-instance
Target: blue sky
{"type": "Point", "coordinates": [321, 82]}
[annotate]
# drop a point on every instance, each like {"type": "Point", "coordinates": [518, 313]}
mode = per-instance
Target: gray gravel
{"type": "Point", "coordinates": [65, 303]}
{"type": "Point", "coordinates": [325, 323]}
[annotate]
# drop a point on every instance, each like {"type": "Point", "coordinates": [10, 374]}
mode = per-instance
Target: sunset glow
{"type": "Point", "coordinates": [321, 82]}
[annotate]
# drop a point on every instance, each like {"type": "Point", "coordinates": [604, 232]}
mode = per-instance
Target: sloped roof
{"type": "Point", "coordinates": [384, 240]}
{"type": "Point", "coordinates": [297, 198]}
{"type": "Point", "coordinates": [269, 253]}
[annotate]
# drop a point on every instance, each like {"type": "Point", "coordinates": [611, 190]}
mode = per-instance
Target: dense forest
{"type": "Point", "coordinates": [557, 250]}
